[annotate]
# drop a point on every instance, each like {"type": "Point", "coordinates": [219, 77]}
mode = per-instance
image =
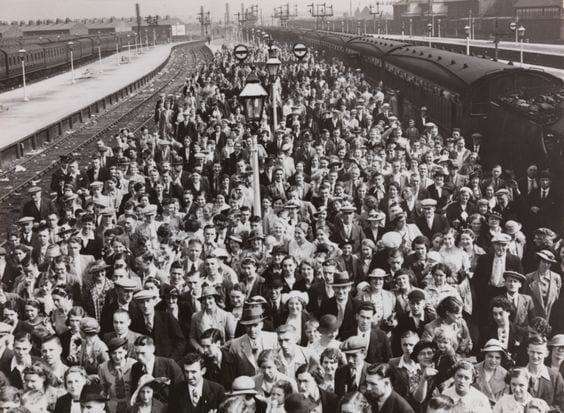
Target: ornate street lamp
{"type": "Point", "coordinates": [273, 67]}
{"type": "Point", "coordinates": [467, 31]}
{"type": "Point", "coordinates": [521, 32]}
{"type": "Point", "coordinates": [253, 97]}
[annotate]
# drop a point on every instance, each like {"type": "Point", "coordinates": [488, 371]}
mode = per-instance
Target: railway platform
{"type": "Point", "coordinates": [56, 99]}
{"type": "Point", "coordinates": [541, 48]}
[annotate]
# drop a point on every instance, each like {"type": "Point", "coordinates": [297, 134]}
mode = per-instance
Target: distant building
{"type": "Point", "coordinates": [543, 19]}
{"type": "Point", "coordinates": [10, 31]}
{"type": "Point", "coordinates": [415, 15]}
{"type": "Point", "coordinates": [69, 28]}
{"type": "Point", "coordinates": [108, 26]}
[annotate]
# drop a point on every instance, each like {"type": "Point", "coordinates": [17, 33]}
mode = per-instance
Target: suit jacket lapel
{"type": "Point", "coordinates": [246, 347]}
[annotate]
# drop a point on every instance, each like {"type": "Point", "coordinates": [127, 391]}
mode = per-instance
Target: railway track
{"type": "Point", "coordinates": [132, 113]}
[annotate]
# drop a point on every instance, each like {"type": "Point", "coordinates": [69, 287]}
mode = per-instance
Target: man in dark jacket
{"type": "Point", "coordinates": [380, 393]}
{"type": "Point", "coordinates": [195, 394]}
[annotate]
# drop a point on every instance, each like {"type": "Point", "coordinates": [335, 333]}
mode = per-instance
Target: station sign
{"type": "Point", "coordinates": [513, 26]}
{"type": "Point", "coordinates": [241, 52]}
{"type": "Point", "coordinates": [300, 50]}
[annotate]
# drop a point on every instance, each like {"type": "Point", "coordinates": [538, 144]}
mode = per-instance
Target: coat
{"type": "Point", "coordinates": [329, 306]}
{"type": "Point", "coordinates": [379, 350]}
{"type": "Point", "coordinates": [241, 346]}
{"type": "Point", "coordinates": [495, 387]}
{"type": "Point", "coordinates": [394, 404]}
{"type": "Point", "coordinates": [45, 208]}
{"type": "Point", "coordinates": [481, 282]}
{"type": "Point", "coordinates": [356, 236]}
{"type": "Point", "coordinates": [162, 367]}
{"type": "Point", "coordinates": [440, 224]}
{"type": "Point", "coordinates": [167, 334]}
{"type": "Point", "coordinates": [551, 390]}
{"type": "Point", "coordinates": [343, 380]}
{"type": "Point", "coordinates": [212, 396]}
{"type": "Point", "coordinates": [329, 401]}
{"type": "Point", "coordinates": [542, 307]}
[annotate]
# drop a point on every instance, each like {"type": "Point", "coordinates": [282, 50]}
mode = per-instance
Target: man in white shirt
{"type": "Point", "coordinates": [466, 397]}
{"type": "Point", "coordinates": [195, 394]}
{"type": "Point", "coordinates": [51, 351]}
{"type": "Point", "coordinates": [291, 355]}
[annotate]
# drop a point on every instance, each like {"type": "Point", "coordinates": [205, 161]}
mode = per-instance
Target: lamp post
{"type": "Point", "coordinates": [70, 45]}
{"type": "Point", "coordinates": [117, 50]}
{"type": "Point", "coordinates": [128, 49]}
{"type": "Point", "coordinates": [402, 31]}
{"type": "Point", "coordinates": [273, 66]}
{"type": "Point", "coordinates": [467, 31]}
{"type": "Point", "coordinates": [253, 96]}
{"type": "Point", "coordinates": [137, 36]}
{"type": "Point", "coordinates": [22, 53]}
{"type": "Point", "coordinates": [521, 31]}
{"type": "Point", "coordinates": [154, 38]}
{"type": "Point", "coordinates": [430, 31]}
{"type": "Point", "coordinates": [410, 27]}
{"type": "Point", "coordinates": [100, 55]}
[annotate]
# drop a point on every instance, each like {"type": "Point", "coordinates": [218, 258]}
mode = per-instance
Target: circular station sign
{"type": "Point", "coordinates": [300, 50]}
{"type": "Point", "coordinates": [512, 26]}
{"type": "Point", "coordinates": [241, 52]}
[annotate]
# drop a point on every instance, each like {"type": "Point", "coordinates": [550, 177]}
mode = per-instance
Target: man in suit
{"type": "Point", "coordinates": [195, 394]}
{"type": "Point", "coordinates": [222, 320]}
{"type": "Point", "coordinates": [529, 183]}
{"type": "Point", "coordinates": [322, 400]}
{"type": "Point", "coordinates": [14, 367]}
{"type": "Point", "coordinates": [37, 207]}
{"type": "Point", "coordinates": [248, 347]}
{"type": "Point", "coordinates": [149, 363]}
{"type": "Point", "coordinates": [376, 342]}
{"type": "Point", "coordinates": [278, 187]}
{"type": "Point", "coordinates": [254, 283]}
{"type": "Point", "coordinates": [346, 229]}
{"type": "Point", "coordinates": [524, 307]}
{"type": "Point", "coordinates": [405, 368]}
{"type": "Point", "coordinates": [222, 366]}
{"type": "Point", "coordinates": [381, 394]}
{"type": "Point", "coordinates": [488, 275]}
{"type": "Point", "coordinates": [542, 205]}
{"type": "Point", "coordinates": [430, 223]}
{"type": "Point", "coordinates": [124, 289]}
{"type": "Point", "coordinates": [422, 119]}
{"type": "Point", "coordinates": [161, 326]}
{"type": "Point", "coordinates": [341, 304]}
{"type": "Point", "coordinates": [415, 319]}
{"type": "Point", "coordinates": [544, 285]}
{"type": "Point", "coordinates": [349, 262]}
{"type": "Point", "coordinates": [352, 376]}
{"type": "Point", "coordinates": [121, 323]}
{"type": "Point", "coordinates": [437, 190]}
{"type": "Point", "coordinates": [547, 383]}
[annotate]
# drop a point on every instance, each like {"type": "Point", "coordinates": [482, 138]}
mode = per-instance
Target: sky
{"type": "Point", "coordinates": [184, 9]}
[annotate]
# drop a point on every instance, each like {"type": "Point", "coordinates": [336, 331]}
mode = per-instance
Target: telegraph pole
{"type": "Point", "coordinates": [205, 21]}
{"type": "Point", "coordinates": [375, 11]}
{"type": "Point", "coordinates": [320, 12]}
{"type": "Point", "coordinates": [283, 14]}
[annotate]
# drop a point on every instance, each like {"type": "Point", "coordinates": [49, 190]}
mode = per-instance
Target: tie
{"type": "Point", "coordinates": [195, 397]}
{"type": "Point", "coordinates": [353, 380]}
{"type": "Point", "coordinates": [149, 324]}
{"type": "Point", "coordinates": [543, 194]}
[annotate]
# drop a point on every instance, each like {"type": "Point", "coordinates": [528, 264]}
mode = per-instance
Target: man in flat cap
{"type": "Point", "coordinates": [37, 207]}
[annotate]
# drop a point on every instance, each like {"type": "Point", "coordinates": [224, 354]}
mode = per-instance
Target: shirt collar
{"type": "Point", "coordinates": [408, 366]}
{"type": "Point", "coordinates": [543, 372]}
{"type": "Point", "coordinates": [198, 388]}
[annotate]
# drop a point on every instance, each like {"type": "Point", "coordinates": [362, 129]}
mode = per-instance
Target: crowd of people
{"type": "Point", "coordinates": [389, 269]}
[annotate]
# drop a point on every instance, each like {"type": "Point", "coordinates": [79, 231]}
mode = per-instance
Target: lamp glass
{"type": "Point", "coordinates": [273, 66]}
